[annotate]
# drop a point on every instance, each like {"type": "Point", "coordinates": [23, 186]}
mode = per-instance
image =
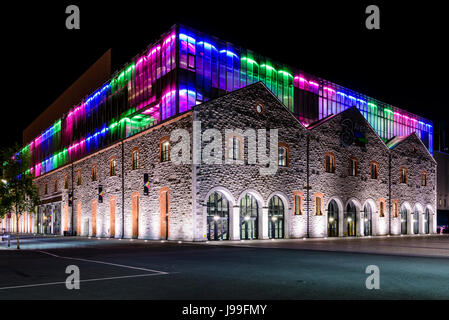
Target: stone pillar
{"type": "Point", "coordinates": [263, 224]}
{"type": "Point", "coordinates": [234, 223]}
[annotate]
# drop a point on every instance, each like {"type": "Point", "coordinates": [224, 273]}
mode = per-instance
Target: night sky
{"type": "Point", "coordinates": [404, 63]}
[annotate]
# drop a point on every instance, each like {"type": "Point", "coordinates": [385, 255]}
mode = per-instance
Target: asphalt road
{"type": "Point", "coordinates": [112, 269]}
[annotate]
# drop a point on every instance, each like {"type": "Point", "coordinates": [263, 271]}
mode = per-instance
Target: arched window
{"type": "Point", "coordinates": [381, 207]}
{"type": "Point", "coordinates": [135, 159]}
{"type": "Point", "coordinates": [423, 179]}
{"type": "Point", "coordinates": [275, 218]}
{"type": "Point", "coordinates": [164, 148]}
{"type": "Point", "coordinates": [283, 154]}
{"type": "Point", "coordinates": [353, 167]}
{"type": "Point", "coordinates": [217, 217]}
{"type": "Point", "coordinates": [297, 203]}
{"type": "Point", "coordinates": [319, 204]}
{"type": "Point", "coordinates": [374, 170]}
{"type": "Point", "coordinates": [234, 146]}
{"type": "Point", "coordinates": [66, 181]}
{"type": "Point", "coordinates": [249, 210]}
{"type": "Point", "coordinates": [94, 173]}
{"type": "Point", "coordinates": [403, 177]}
{"type": "Point", "coordinates": [395, 208]}
{"type": "Point", "coordinates": [426, 221]}
{"type": "Point", "coordinates": [78, 178]}
{"type": "Point", "coordinates": [367, 220]}
{"type": "Point", "coordinates": [112, 167]}
{"type": "Point", "coordinates": [351, 220]}
{"type": "Point", "coordinates": [329, 162]}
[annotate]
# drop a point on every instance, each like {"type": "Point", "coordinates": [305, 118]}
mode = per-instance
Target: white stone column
{"type": "Point", "coordinates": [263, 224]}
{"type": "Point", "coordinates": [234, 223]}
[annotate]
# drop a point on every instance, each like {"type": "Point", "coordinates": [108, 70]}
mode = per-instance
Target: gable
{"type": "Point", "coordinates": [349, 129]}
{"type": "Point", "coordinates": [412, 146]}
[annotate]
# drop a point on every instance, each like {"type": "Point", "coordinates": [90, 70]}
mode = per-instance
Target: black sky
{"type": "Point", "coordinates": [404, 63]}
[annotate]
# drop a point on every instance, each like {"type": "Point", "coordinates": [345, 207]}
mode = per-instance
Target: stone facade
{"type": "Point", "coordinates": [127, 212]}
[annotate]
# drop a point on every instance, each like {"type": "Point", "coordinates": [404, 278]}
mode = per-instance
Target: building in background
{"type": "Point", "coordinates": [442, 158]}
{"type": "Point", "coordinates": [377, 178]}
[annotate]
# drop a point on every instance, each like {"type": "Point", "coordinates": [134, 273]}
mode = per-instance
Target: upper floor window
{"type": "Point", "coordinates": [235, 146]}
{"type": "Point", "coordinates": [318, 204]}
{"type": "Point", "coordinates": [112, 167]}
{"type": "Point", "coordinates": [297, 198]}
{"type": "Point", "coordinates": [353, 167]}
{"type": "Point", "coordinates": [135, 159]}
{"type": "Point", "coordinates": [45, 188]}
{"type": "Point", "coordinates": [283, 155]}
{"type": "Point", "coordinates": [374, 170]}
{"type": "Point", "coordinates": [395, 208]}
{"type": "Point", "coordinates": [423, 178]}
{"type": "Point", "coordinates": [94, 173]}
{"type": "Point", "coordinates": [55, 186]}
{"type": "Point", "coordinates": [66, 181]}
{"type": "Point", "coordinates": [191, 61]}
{"type": "Point", "coordinates": [78, 178]}
{"type": "Point", "coordinates": [329, 162]}
{"type": "Point", "coordinates": [381, 208]}
{"type": "Point", "coordinates": [403, 178]}
{"type": "Point", "coordinates": [165, 151]}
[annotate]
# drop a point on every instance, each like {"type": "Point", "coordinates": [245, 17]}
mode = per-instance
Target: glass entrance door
{"type": "Point", "coordinates": [249, 211]}
{"type": "Point", "coordinates": [332, 219]}
{"type": "Point", "coordinates": [367, 220]}
{"type": "Point", "coordinates": [404, 221]}
{"type": "Point", "coordinates": [217, 217]}
{"type": "Point", "coordinates": [426, 222]}
{"type": "Point", "coordinates": [416, 222]}
{"type": "Point", "coordinates": [276, 218]}
{"type": "Point", "coordinates": [351, 220]}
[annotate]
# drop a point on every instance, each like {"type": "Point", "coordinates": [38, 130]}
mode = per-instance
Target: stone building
{"type": "Point", "coordinates": [336, 177]}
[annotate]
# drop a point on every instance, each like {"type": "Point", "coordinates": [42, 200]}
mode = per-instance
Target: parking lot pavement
{"type": "Point", "coordinates": [287, 269]}
{"type": "Point", "coordinates": [419, 246]}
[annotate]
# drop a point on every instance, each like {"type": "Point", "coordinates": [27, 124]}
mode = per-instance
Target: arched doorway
{"type": "Point", "coordinates": [275, 218]}
{"type": "Point", "coordinates": [404, 220]}
{"type": "Point", "coordinates": [332, 219]}
{"type": "Point", "coordinates": [217, 217]}
{"type": "Point", "coordinates": [427, 221]}
{"type": "Point", "coordinates": [415, 221]}
{"type": "Point", "coordinates": [249, 211]}
{"type": "Point", "coordinates": [351, 220]}
{"type": "Point", "coordinates": [367, 220]}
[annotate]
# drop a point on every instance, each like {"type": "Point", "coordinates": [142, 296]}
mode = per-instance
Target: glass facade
{"type": "Point", "coordinates": [185, 68]}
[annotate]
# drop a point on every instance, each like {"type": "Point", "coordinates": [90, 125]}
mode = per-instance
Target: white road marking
{"type": "Point", "coordinates": [103, 262]}
{"type": "Point", "coordinates": [86, 280]}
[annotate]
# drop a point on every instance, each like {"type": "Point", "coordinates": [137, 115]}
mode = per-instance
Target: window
{"type": "Point", "coordinates": [297, 203]}
{"type": "Point", "coordinates": [395, 208]}
{"type": "Point", "coordinates": [403, 178]}
{"type": "Point", "coordinates": [374, 170]}
{"type": "Point", "coordinates": [135, 159]}
{"type": "Point", "coordinates": [45, 188]}
{"type": "Point", "coordinates": [78, 178]}
{"type": "Point", "coordinates": [381, 208]}
{"type": "Point", "coordinates": [55, 186]}
{"type": "Point", "coordinates": [283, 155]}
{"type": "Point", "coordinates": [319, 204]}
{"type": "Point", "coordinates": [329, 162]}
{"type": "Point", "coordinates": [165, 151]}
{"type": "Point", "coordinates": [94, 173]}
{"type": "Point", "coordinates": [191, 61]}
{"type": "Point", "coordinates": [424, 179]}
{"type": "Point", "coordinates": [260, 108]}
{"type": "Point", "coordinates": [112, 167]}
{"type": "Point", "coordinates": [235, 148]}
{"type": "Point", "coordinates": [66, 181]}
{"type": "Point", "coordinates": [353, 167]}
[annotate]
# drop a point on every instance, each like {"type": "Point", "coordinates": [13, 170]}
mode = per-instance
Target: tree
{"type": "Point", "coordinates": [18, 193]}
